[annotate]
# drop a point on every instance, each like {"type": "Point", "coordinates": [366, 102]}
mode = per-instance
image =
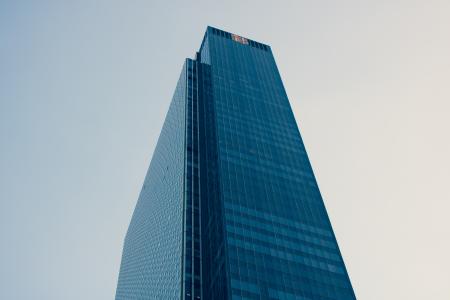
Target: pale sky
{"type": "Point", "coordinates": [85, 86]}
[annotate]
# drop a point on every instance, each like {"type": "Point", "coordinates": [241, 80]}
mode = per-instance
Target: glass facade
{"type": "Point", "coordinates": [152, 253]}
{"type": "Point", "coordinates": [247, 220]}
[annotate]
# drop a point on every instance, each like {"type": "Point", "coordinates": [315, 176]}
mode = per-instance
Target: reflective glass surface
{"type": "Point", "coordinates": [230, 207]}
{"type": "Point", "coordinates": [152, 254]}
{"type": "Point", "coordinates": [278, 240]}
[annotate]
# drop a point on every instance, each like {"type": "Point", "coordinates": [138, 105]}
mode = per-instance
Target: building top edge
{"type": "Point", "coordinates": [237, 38]}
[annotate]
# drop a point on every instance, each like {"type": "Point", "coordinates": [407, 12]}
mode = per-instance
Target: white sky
{"type": "Point", "coordinates": [84, 88]}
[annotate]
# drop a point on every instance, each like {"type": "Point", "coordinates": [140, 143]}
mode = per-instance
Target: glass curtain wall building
{"type": "Point", "coordinates": [230, 207]}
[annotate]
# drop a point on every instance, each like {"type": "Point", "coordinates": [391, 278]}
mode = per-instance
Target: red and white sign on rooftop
{"type": "Point", "coordinates": [239, 39]}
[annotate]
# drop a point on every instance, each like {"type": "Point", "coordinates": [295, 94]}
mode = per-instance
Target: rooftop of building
{"type": "Point", "coordinates": [234, 37]}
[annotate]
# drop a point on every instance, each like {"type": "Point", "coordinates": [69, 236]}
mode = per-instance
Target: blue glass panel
{"type": "Point", "coordinates": [278, 239]}
{"type": "Point", "coordinates": [152, 254]}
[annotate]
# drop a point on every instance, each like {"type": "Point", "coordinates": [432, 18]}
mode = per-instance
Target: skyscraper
{"type": "Point", "coordinates": [230, 208]}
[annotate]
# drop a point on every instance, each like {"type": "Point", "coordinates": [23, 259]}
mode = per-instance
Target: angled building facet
{"type": "Point", "coordinates": [230, 208]}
